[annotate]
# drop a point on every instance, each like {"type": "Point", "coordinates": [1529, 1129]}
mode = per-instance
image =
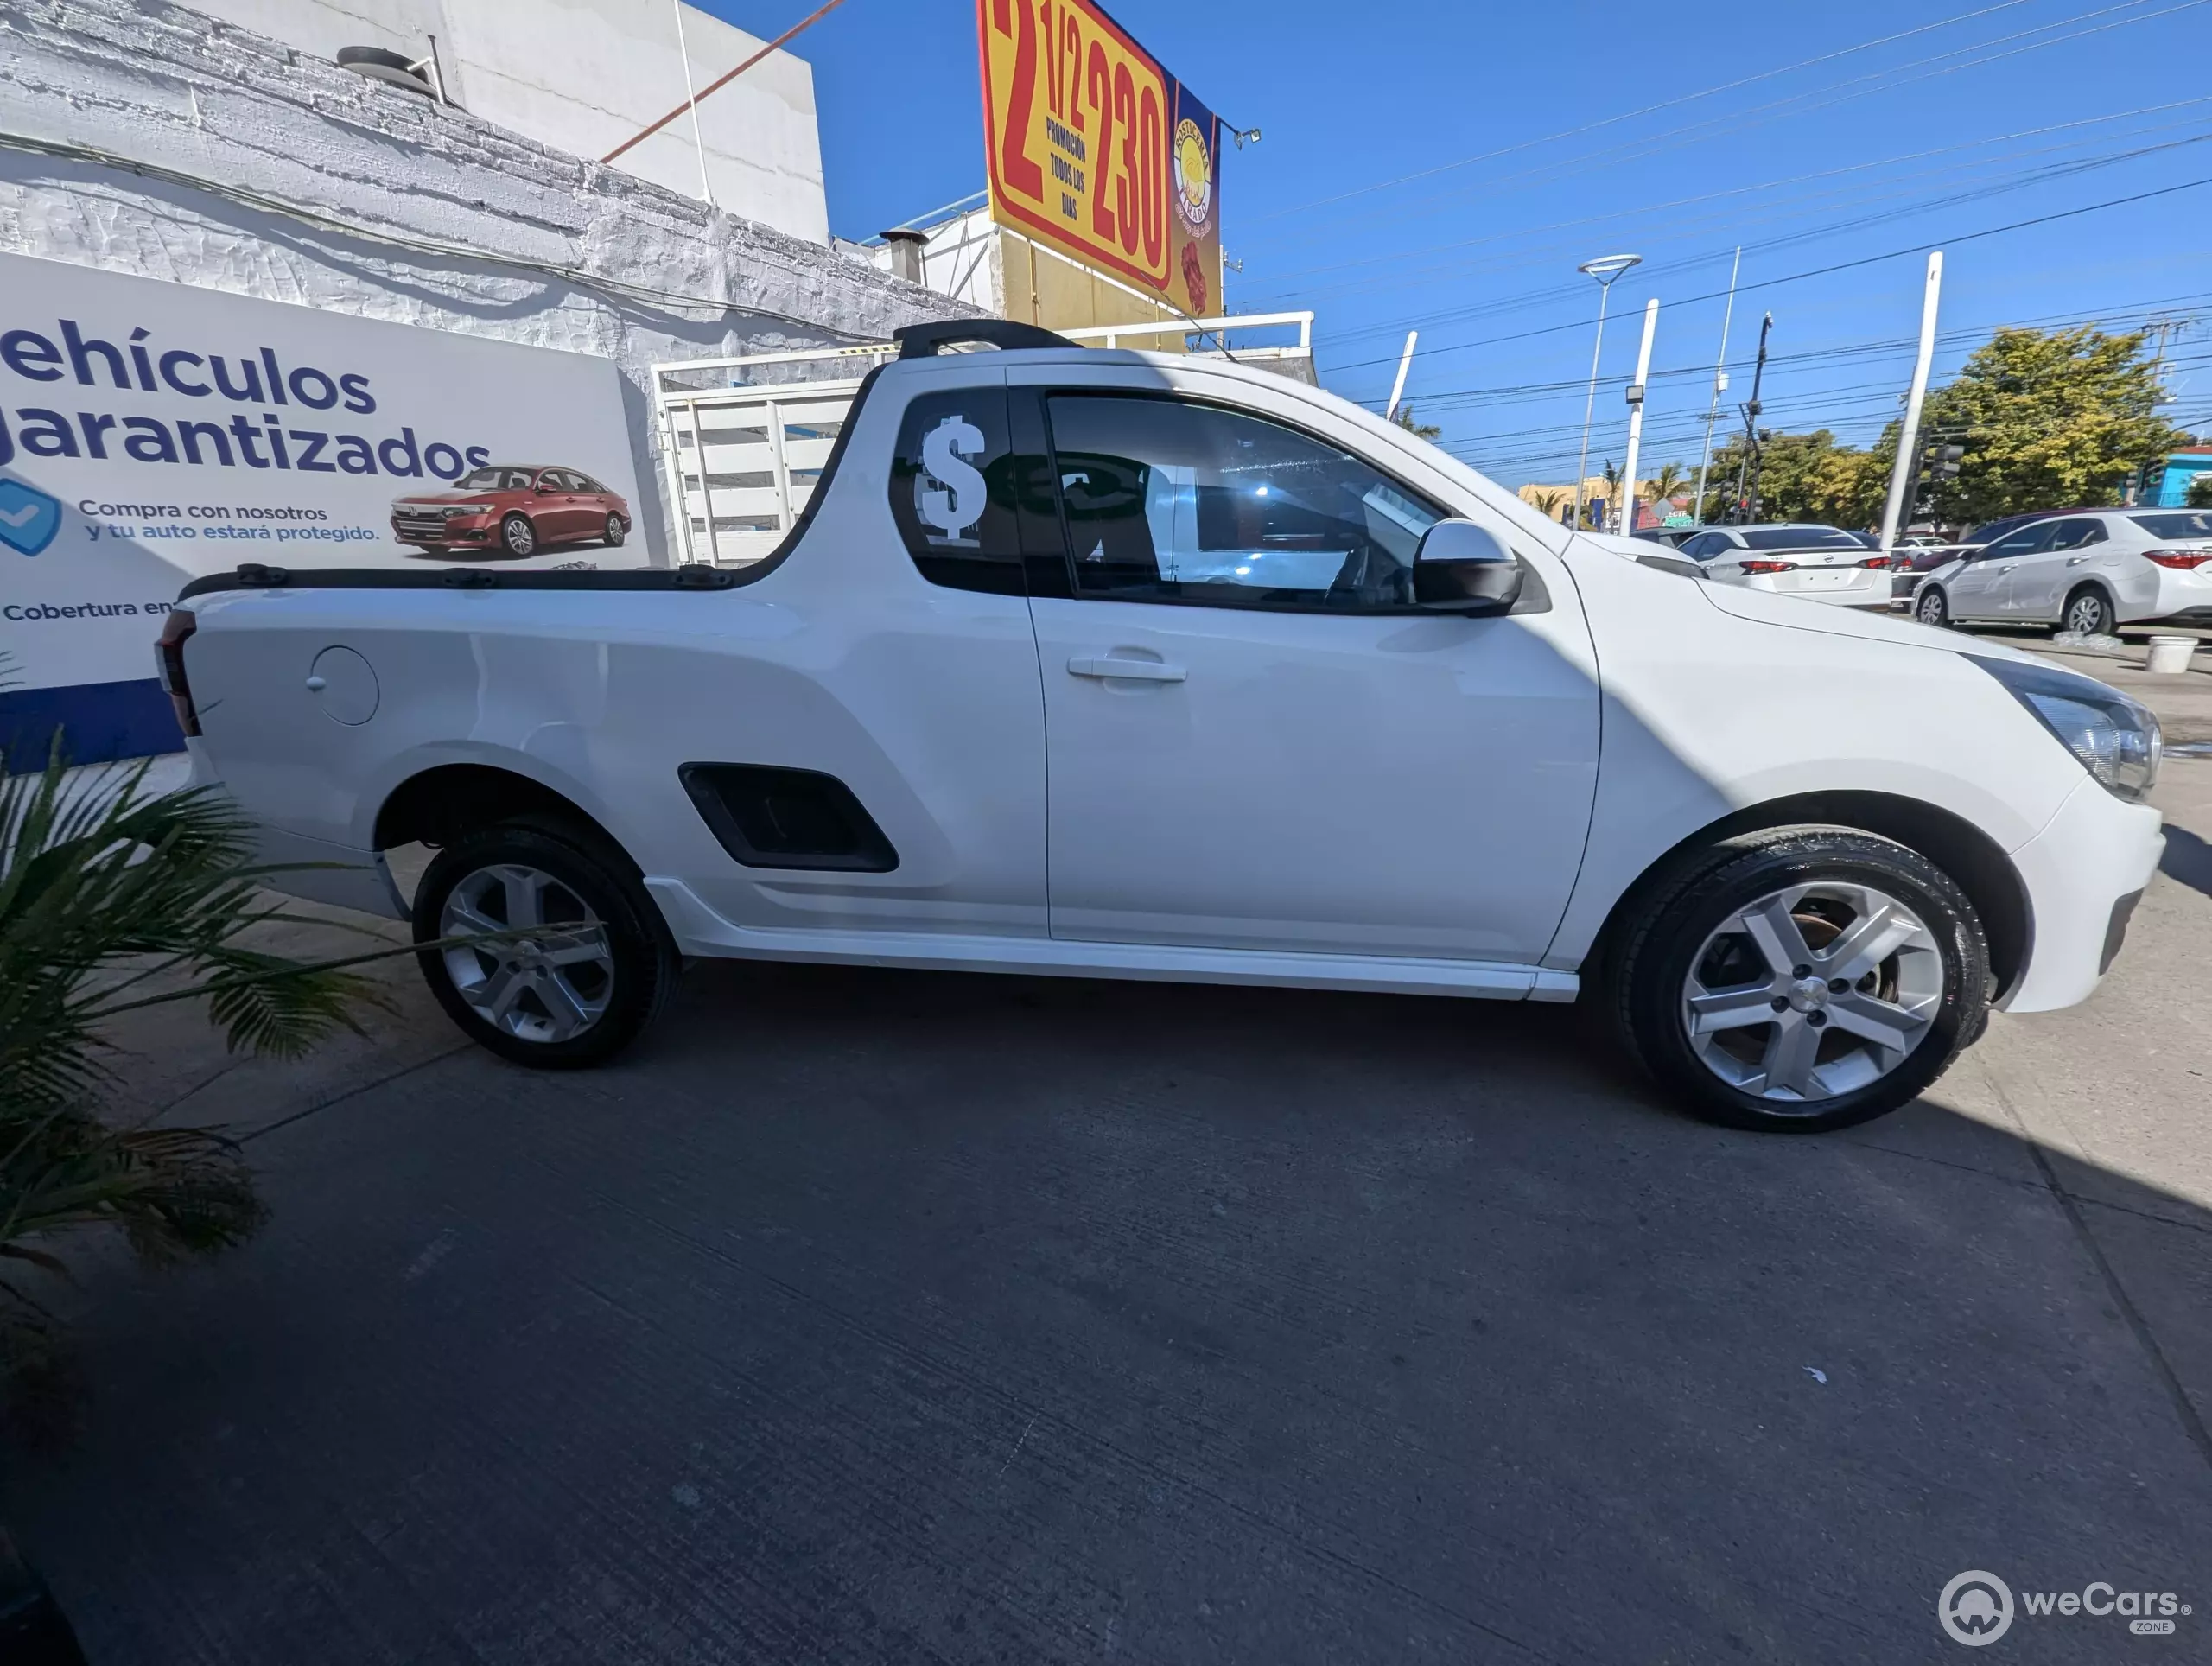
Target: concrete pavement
{"type": "Point", "coordinates": [863, 1316]}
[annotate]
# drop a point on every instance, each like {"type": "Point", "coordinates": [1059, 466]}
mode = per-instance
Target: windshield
{"type": "Point", "coordinates": [1806, 537]}
{"type": "Point", "coordinates": [2197, 524]}
{"type": "Point", "coordinates": [494, 479]}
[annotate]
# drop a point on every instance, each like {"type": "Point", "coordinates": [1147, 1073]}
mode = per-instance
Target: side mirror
{"type": "Point", "coordinates": [1461, 568]}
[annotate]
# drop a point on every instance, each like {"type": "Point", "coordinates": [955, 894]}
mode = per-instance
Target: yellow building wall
{"type": "Point", "coordinates": [1042, 289]}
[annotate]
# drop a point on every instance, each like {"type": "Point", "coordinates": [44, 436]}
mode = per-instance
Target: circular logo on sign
{"type": "Point", "coordinates": [1193, 173]}
{"type": "Point", "coordinates": [1976, 1608]}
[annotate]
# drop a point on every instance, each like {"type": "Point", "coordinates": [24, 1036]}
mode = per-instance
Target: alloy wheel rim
{"type": "Point", "coordinates": [519, 537]}
{"type": "Point", "coordinates": [2085, 615]}
{"type": "Point", "coordinates": [545, 985]}
{"type": "Point", "coordinates": [1931, 610]}
{"type": "Point", "coordinates": [1812, 992]}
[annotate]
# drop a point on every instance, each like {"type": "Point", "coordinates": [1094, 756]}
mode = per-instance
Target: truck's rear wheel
{"type": "Point", "coordinates": [1802, 979]}
{"type": "Point", "coordinates": [576, 959]}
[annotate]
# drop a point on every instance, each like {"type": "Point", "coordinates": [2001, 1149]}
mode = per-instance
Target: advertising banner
{"type": "Point", "coordinates": [152, 432]}
{"type": "Point", "coordinates": [1096, 151]}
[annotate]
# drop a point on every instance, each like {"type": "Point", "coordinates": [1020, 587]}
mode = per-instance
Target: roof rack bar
{"type": "Point", "coordinates": [924, 340]}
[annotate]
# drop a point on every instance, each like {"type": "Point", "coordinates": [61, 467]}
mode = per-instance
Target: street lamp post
{"type": "Point", "coordinates": [1605, 269]}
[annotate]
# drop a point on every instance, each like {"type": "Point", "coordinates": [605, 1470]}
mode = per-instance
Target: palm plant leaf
{"type": "Point", "coordinates": [113, 897]}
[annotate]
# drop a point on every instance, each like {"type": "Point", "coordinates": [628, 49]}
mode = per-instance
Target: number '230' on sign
{"type": "Point", "coordinates": [1097, 150]}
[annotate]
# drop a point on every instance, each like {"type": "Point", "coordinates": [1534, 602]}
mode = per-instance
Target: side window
{"type": "Point", "coordinates": [2076, 534]}
{"type": "Point", "coordinates": [1704, 545]}
{"type": "Point", "coordinates": [1166, 501]}
{"type": "Point", "coordinates": [2025, 541]}
{"type": "Point", "coordinates": [952, 490]}
{"type": "Point", "coordinates": [585, 483]}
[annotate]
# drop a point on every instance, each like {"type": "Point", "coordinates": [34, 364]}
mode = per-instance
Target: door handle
{"type": "Point", "coordinates": [1135, 670]}
{"type": "Point", "coordinates": [2075, 561]}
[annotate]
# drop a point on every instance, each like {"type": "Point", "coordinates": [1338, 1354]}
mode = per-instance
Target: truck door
{"type": "Point", "coordinates": [1255, 741]}
{"type": "Point", "coordinates": [860, 726]}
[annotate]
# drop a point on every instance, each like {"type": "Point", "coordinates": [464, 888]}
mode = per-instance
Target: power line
{"type": "Point", "coordinates": [1499, 305]}
{"type": "Point", "coordinates": [1879, 80]}
{"type": "Point", "coordinates": [449, 249]}
{"type": "Point", "coordinates": [1610, 121]}
{"type": "Point", "coordinates": [1822, 271]}
{"type": "Point", "coordinates": [1742, 190]}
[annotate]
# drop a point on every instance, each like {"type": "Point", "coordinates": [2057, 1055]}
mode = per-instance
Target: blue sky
{"type": "Point", "coordinates": [1420, 168]}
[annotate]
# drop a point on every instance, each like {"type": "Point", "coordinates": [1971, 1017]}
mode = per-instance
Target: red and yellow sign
{"type": "Point", "coordinates": [1097, 151]}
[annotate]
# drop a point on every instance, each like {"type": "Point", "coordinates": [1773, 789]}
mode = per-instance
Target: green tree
{"type": "Point", "coordinates": [1404, 419]}
{"type": "Point", "coordinates": [2200, 492]}
{"type": "Point", "coordinates": [2049, 419]}
{"type": "Point", "coordinates": [1670, 479]}
{"type": "Point", "coordinates": [1804, 477]}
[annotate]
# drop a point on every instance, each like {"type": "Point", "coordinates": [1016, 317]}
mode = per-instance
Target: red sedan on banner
{"type": "Point", "coordinates": [513, 510]}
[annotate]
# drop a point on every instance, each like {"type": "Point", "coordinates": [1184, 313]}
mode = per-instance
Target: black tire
{"type": "Point", "coordinates": [2095, 609]}
{"type": "Point", "coordinates": [617, 530]}
{"type": "Point", "coordinates": [518, 535]}
{"type": "Point", "coordinates": [1649, 973]}
{"type": "Point", "coordinates": [1933, 608]}
{"type": "Point", "coordinates": [641, 963]}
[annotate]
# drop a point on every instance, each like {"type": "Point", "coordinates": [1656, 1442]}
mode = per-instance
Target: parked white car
{"type": "Point", "coordinates": [1818, 564]}
{"type": "Point", "coordinates": [2091, 571]}
{"type": "Point", "coordinates": [1117, 664]}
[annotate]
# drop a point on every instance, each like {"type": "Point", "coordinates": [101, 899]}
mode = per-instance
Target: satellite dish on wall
{"type": "Point", "coordinates": [380, 64]}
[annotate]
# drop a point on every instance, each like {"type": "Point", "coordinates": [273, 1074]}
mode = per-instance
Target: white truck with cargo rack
{"type": "Point", "coordinates": [1126, 664]}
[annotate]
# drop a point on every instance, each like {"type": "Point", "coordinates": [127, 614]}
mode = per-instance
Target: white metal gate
{"type": "Point", "coordinates": [742, 456]}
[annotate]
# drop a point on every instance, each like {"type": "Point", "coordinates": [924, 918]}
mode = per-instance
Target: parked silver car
{"type": "Point", "coordinates": [2090, 571]}
{"type": "Point", "coordinates": [1820, 563]}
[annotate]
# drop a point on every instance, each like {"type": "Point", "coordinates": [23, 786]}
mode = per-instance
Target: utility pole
{"type": "Point", "coordinates": [1719, 387]}
{"type": "Point", "coordinates": [1398, 387]}
{"type": "Point", "coordinates": [683, 51]}
{"type": "Point", "coordinates": [1635, 416]}
{"type": "Point", "coordinates": [1740, 510]}
{"type": "Point", "coordinates": [2139, 481]}
{"type": "Point", "coordinates": [1901, 471]}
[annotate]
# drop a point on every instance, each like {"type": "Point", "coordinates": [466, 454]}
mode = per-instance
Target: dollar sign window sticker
{"type": "Point", "coordinates": [948, 492]}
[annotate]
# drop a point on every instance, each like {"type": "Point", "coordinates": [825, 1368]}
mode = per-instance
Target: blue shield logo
{"type": "Point", "coordinates": [28, 518]}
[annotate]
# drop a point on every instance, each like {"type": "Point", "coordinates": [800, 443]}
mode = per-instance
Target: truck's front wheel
{"type": "Point", "coordinates": [1802, 979]}
{"type": "Point", "coordinates": [575, 958]}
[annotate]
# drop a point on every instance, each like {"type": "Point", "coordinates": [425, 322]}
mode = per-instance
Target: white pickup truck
{"type": "Point", "coordinates": [1119, 664]}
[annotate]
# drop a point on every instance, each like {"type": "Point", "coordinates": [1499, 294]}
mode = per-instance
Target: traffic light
{"type": "Point", "coordinates": [1943, 462]}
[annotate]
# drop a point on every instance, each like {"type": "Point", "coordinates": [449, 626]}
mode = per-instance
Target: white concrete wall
{"type": "Point", "coordinates": [584, 75]}
{"type": "Point", "coordinates": [270, 172]}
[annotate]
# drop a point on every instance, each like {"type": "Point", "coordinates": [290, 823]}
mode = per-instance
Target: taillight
{"type": "Point", "coordinates": [1883, 560]}
{"type": "Point", "coordinates": [1769, 566]}
{"type": "Point", "coordinates": [168, 654]}
{"type": "Point", "coordinates": [2181, 561]}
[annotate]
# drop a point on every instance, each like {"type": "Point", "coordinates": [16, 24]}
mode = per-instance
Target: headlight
{"type": "Point", "coordinates": [2116, 739]}
{"type": "Point", "coordinates": [452, 510]}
